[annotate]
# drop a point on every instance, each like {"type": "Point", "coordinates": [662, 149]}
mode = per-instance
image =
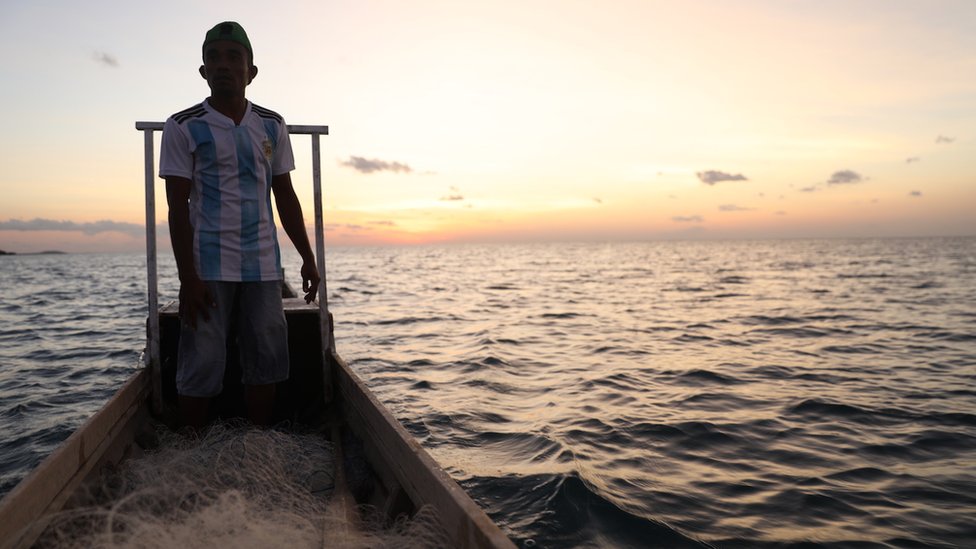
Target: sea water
{"type": "Point", "coordinates": [658, 394]}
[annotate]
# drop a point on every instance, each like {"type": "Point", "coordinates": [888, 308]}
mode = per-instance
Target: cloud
{"type": "Point", "coordinates": [105, 59]}
{"type": "Point", "coordinates": [810, 189]}
{"type": "Point", "coordinates": [385, 223]}
{"type": "Point", "coordinates": [455, 195]}
{"type": "Point", "coordinates": [779, 212]}
{"type": "Point", "coordinates": [712, 177]}
{"type": "Point", "coordinates": [347, 226]}
{"type": "Point", "coordinates": [89, 228]}
{"type": "Point", "coordinates": [597, 200]}
{"type": "Point", "coordinates": [733, 208]}
{"type": "Point", "coordinates": [367, 165]}
{"type": "Point", "coordinates": [845, 177]}
{"type": "Point", "coordinates": [912, 160]}
{"type": "Point", "coordinates": [915, 193]}
{"type": "Point", "coordinates": [942, 139]}
{"type": "Point", "coordinates": [688, 218]}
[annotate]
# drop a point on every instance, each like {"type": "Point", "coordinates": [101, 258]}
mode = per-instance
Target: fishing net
{"type": "Point", "coordinates": [232, 487]}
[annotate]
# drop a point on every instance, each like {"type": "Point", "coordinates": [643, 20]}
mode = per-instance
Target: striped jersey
{"type": "Point", "coordinates": [234, 236]}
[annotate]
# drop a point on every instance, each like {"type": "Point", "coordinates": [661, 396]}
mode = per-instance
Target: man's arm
{"type": "Point", "coordinates": [194, 296]}
{"type": "Point", "coordinates": [290, 214]}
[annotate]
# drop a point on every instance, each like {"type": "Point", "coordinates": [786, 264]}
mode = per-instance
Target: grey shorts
{"type": "Point", "coordinates": [262, 339]}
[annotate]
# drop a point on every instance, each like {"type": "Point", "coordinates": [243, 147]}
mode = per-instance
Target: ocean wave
{"type": "Point", "coordinates": [564, 510]}
{"type": "Point", "coordinates": [760, 394]}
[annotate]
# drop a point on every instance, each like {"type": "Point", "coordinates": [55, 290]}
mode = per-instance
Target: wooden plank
{"type": "Point", "coordinates": [49, 486]}
{"type": "Point", "coordinates": [423, 479]}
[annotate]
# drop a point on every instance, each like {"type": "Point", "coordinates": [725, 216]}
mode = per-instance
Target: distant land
{"type": "Point", "coordinates": [46, 252]}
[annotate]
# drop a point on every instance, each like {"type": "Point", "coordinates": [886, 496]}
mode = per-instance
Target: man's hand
{"type": "Point", "coordinates": [310, 281]}
{"type": "Point", "coordinates": [290, 214]}
{"type": "Point", "coordinates": [195, 298]}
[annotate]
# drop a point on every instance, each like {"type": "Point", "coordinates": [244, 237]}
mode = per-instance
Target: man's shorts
{"type": "Point", "coordinates": [262, 337]}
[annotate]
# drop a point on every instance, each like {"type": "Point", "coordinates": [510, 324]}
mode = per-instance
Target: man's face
{"type": "Point", "coordinates": [227, 68]}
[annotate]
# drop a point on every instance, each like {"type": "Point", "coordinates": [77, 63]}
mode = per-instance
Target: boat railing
{"type": "Point", "coordinates": [152, 344]}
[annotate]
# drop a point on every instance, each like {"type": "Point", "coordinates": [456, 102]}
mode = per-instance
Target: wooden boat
{"type": "Point", "coordinates": [322, 391]}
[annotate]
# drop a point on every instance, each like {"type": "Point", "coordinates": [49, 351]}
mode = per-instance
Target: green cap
{"type": "Point", "coordinates": [229, 30]}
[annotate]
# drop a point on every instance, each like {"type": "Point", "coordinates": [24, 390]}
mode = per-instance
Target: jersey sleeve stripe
{"type": "Point", "coordinates": [267, 113]}
{"type": "Point", "coordinates": [193, 112]}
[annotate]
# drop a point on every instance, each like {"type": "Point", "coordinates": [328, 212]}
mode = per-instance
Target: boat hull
{"type": "Point", "coordinates": [322, 392]}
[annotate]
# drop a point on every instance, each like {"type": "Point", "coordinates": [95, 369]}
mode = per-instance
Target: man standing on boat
{"type": "Point", "coordinates": [222, 160]}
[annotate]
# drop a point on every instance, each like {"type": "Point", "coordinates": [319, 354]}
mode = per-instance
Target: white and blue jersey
{"type": "Point", "coordinates": [231, 166]}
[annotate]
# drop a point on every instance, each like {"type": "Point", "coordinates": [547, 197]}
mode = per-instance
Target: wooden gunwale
{"type": "Point", "coordinates": [101, 440]}
{"type": "Point", "coordinates": [425, 482]}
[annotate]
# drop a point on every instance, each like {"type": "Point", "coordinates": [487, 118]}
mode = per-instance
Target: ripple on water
{"type": "Point", "coordinates": [564, 511]}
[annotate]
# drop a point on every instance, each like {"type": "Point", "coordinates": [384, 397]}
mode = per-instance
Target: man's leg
{"type": "Point", "coordinates": [264, 347]}
{"type": "Point", "coordinates": [202, 358]}
{"type": "Point", "coordinates": [193, 412]}
{"type": "Point", "coordinates": [260, 403]}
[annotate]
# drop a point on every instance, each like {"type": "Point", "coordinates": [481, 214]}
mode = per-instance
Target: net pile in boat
{"type": "Point", "coordinates": [232, 487]}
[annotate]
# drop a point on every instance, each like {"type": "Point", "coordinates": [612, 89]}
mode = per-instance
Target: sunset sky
{"type": "Point", "coordinates": [515, 120]}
